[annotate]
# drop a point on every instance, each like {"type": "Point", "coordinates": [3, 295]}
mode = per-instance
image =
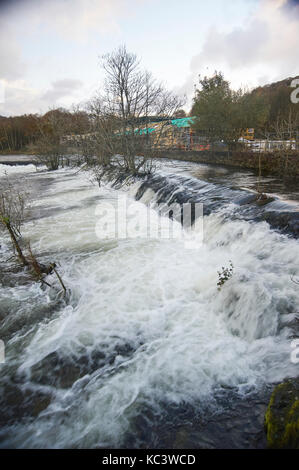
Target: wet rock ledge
{"type": "Point", "coordinates": [282, 416]}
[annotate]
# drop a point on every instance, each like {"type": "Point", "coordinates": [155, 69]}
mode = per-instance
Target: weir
{"type": "Point", "coordinates": [146, 351]}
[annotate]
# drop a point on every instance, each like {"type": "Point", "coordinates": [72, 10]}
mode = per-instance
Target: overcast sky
{"type": "Point", "coordinates": [50, 50]}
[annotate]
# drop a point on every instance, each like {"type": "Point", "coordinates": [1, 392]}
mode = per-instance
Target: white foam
{"type": "Point", "coordinates": [162, 299]}
{"type": "Point", "coordinates": [16, 169]}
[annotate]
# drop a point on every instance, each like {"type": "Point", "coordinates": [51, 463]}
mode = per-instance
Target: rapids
{"type": "Point", "coordinates": [146, 351]}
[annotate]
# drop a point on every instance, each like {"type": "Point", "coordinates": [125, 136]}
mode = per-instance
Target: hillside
{"type": "Point", "coordinates": [277, 95]}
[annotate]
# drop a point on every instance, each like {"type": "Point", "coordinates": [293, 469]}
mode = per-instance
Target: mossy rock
{"type": "Point", "coordinates": [282, 416]}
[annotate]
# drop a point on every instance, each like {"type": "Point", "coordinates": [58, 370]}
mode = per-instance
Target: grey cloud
{"type": "Point", "coordinates": [67, 84]}
{"type": "Point", "coordinates": [75, 18]}
{"type": "Point", "coordinates": [291, 4]}
{"type": "Point", "coordinates": [237, 48]}
{"type": "Point", "coordinates": [265, 45]}
{"type": "Point", "coordinates": [291, 9]}
{"type": "Point", "coordinates": [8, 4]}
{"type": "Point", "coordinates": [19, 100]}
{"type": "Point", "coordinates": [22, 100]}
{"type": "Point", "coordinates": [12, 67]}
{"type": "Point", "coordinates": [60, 89]}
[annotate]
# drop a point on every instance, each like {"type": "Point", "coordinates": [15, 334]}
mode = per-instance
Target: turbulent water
{"type": "Point", "coordinates": [146, 351]}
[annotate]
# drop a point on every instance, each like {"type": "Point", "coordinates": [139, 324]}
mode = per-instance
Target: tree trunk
{"type": "Point", "coordinates": [16, 244]}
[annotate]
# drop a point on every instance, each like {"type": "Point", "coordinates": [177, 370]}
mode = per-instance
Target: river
{"type": "Point", "coordinates": [146, 351]}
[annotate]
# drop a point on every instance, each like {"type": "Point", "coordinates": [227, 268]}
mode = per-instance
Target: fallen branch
{"type": "Point", "coordinates": [53, 266]}
{"type": "Point", "coordinates": [41, 271]}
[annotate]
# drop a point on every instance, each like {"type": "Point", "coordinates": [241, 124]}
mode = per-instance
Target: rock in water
{"type": "Point", "coordinates": [282, 416]}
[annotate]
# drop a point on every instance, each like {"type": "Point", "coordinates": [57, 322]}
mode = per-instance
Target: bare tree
{"type": "Point", "coordinates": [13, 208]}
{"type": "Point", "coordinates": [286, 127]}
{"type": "Point", "coordinates": [12, 213]}
{"type": "Point", "coordinates": [50, 146]}
{"type": "Point", "coordinates": [124, 113]}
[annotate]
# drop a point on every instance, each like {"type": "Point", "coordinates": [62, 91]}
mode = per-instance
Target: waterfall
{"type": "Point", "coordinates": [145, 328]}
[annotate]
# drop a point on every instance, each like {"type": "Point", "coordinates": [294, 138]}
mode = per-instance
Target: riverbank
{"type": "Point", "coordinates": [18, 159]}
{"type": "Point", "coordinates": [277, 164]}
{"type": "Point", "coordinates": [281, 165]}
{"type": "Point", "coordinates": [274, 163]}
{"type": "Point", "coordinates": [23, 151]}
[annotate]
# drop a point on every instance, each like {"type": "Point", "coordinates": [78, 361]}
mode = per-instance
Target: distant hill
{"type": "Point", "coordinates": [277, 95]}
{"type": "Point", "coordinates": [286, 82]}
